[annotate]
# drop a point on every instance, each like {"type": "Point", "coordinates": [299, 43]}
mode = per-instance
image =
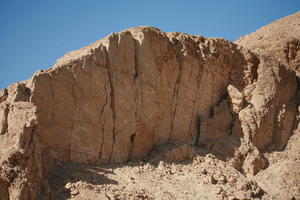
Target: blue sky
{"type": "Point", "coordinates": [35, 33]}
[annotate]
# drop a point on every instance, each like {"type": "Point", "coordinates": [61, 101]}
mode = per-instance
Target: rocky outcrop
{"type": "Point", "coordinates": [276, 42]}
{"type": "Point", "coordinates": [118, 98]}
{"type": "Point", "coordinates": [277, 45]}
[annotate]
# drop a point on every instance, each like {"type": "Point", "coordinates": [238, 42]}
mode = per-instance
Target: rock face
{"type": "Point", "coordinates": [275, 44]}
{"type": "Point", "coordinates": [281, 42]}
{"type": "Point", "coordinates": [114, 100]}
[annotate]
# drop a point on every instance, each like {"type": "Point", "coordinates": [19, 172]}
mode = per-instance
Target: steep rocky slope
{"type": "Point", "coordinates": [142, 92]}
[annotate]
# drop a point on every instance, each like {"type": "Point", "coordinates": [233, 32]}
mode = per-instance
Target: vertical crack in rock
{"type": "Point", "coordinates": [103, 118]}
{"type": "Point", "coordinates": [72, 124]}
{"type": "Point", "coordinates": [138, 93]}
{"type": "Point", "coordinates": [73, 93]}
{"type": "Point", "coordinates": [192, 117]}
{"type": "Point", "coordinates": [112, 103]}
{"type": "Point", "coordinates": [174, 102]}
{"type": "Point", "coordinates": [198, 79]}
{"type": "Point", "coordinates": [31, 143]}
{"type": "Point", "coordinates": [136, 80]}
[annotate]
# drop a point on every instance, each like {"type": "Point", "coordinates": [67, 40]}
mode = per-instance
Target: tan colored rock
{"type": "Point", "coordinates": [280, 39]}
{"type": "Point", "coordinates": [3, 118]}
{"type": "Point", "coordinates": [232, 180]}
{"type": "Point", "coordinates": [3, 95]}
{"type": "Point", "coordinates": [181, 153]}
{"type": "Point", "coordinates": [68, 185]}
{"type": "Point", "coordinates": [236, 98]}
{"type": "Point", "coordinates": [88, 194]}
{"type": "Point", "coordinates": [254, 162]}
{"type": "Point", "coordinates": [124, 94]}
{"type": "Point", "coordinates": [21, 171]}
{"type": "Point", "coordinates": [261, 120]}
{"type": "Point", "coordinates": [218, 125]}
{"type": "Point", "coordinates": [222, 179]}
{"type": "Point", "coordinates": [18, 92]}
{"type": "Point", "coordinates": [226, 147]}
{"type": "Point", "coordinates": [74, 192]}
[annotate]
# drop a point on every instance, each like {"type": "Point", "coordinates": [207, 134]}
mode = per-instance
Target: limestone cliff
{"type": "Point", "coordinates": [114, 100]}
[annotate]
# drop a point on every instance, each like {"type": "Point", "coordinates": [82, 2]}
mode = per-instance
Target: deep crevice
{"type": "Point", "coordinates": [112, 102]}
{"type": "Point", "coordinates": [174, 102]}
{"type": "Point", "coordinates": [104, 119]}
{"type": "Point", "coordinates": [137, 82]}
{"type": "Point", "coordinates": [198, 80]}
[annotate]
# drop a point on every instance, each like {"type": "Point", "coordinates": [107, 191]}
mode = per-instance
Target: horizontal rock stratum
{"type": "Point", "coordinates": [115, 100]}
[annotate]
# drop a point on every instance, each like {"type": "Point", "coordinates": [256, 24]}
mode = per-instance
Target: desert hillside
{"type": "Point", "coordinates": [144, 114]}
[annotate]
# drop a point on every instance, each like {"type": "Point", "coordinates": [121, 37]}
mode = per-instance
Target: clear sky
{"type": "Point", "coordinates": [35, 33]}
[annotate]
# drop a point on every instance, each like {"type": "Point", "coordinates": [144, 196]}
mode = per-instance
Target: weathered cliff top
{"type": "Point", "coordinates": [136, 33]}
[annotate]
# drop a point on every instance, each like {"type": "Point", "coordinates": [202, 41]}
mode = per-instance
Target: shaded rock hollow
{"type": "Point", "coordinates": [114, 100]}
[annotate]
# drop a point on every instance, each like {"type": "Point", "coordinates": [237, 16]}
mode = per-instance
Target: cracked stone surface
{"type": "Point", "coordinates": [117, 98]}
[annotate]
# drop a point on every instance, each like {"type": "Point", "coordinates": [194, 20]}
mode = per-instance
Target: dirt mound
{"type": "Point", "coordinates": [164, 98]}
